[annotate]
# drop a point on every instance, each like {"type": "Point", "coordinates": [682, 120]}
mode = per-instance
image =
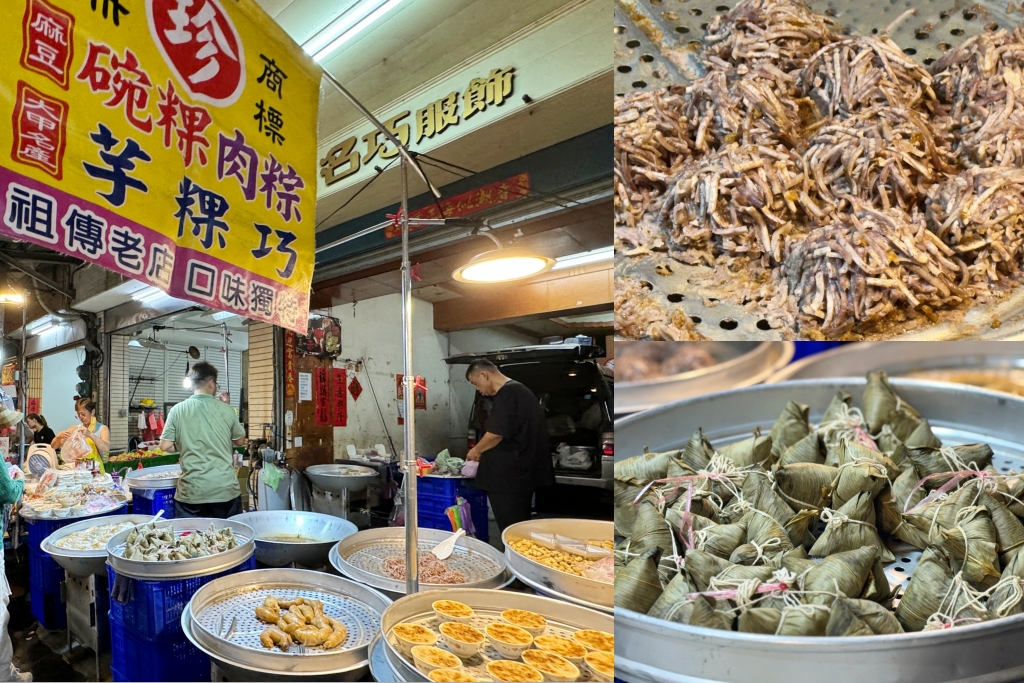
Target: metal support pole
{"type": "Point", "coordinates": [23, 376]}
{"type": "Point", "coordinates": [412, 580]}
{"type": "Point", "coordinates": [227, 360]}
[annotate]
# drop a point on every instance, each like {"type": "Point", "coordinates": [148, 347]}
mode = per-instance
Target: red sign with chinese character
{"type": "Point", "coordinates": [339, 396]}
{"type": "Point", "coordinates": [290, 374]}
{"type": "Point", "coordinates": [485, 197]}
{"type": "Point", "coordinates": [322, 396]}
{"type": "Point", "coordinates": [33, 405]}
{"type": "Point", "coordinates": [355, 388]}
{"type": "Point", "coordinates": [40, 130]}
{"type": "Point", "coordinates": [49, 41]}
{"type": "Point", "coordinates": [199, 42]}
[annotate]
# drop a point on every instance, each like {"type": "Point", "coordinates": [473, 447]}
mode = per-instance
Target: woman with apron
{"type": "Point", "coordinates": [98, 433]}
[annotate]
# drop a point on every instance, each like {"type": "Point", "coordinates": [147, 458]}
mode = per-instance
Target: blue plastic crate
{"type": "Point", "coordinates": [133, 658]}
{"type": "Point", "coordinates": [432, 511]}
{"type": "Point", "coordinates": [44, 574]}
{"type": "Point", "coordinates": [152, 501]}
{"type": "Point", "coordinates": [49, 611]}
{"type": "Point", "coordinates": [153, 610]}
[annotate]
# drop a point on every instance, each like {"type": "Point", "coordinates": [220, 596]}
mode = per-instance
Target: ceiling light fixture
{"type": "Point", "coordinates": [136, 344]}
{"type": "Point", "coordinates": [503, 264]}
{"type": "Point", "coordinates": [223, 315]}
{"type": "Point", "coordinates": [347, 26]}
{"type": "Point", "coordinates": [11, 296]}
{"type": "Point", "coordinates": [41, 328]}
{"type": "Point", "coordinates": [583, 258]}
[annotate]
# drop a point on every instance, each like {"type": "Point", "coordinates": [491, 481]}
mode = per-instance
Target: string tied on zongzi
{"type": "Point", "coordinates": [761, 548]}
{"type": "Point", "coordinates": [847, 423]}
{"type": "Point", "coordinates": [806, 610]}
{"type": "Point", "coordinates": [830, 516]}
{"type": "Point", "coordinates": [958, 598]}
{"type": "Point", "coordinates": [866, 462]}
{"type": "Point", "coordinates": [1011, 592]}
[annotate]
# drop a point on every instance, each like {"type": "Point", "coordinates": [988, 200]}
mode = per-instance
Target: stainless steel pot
{"type": "Point", "coordinates": [649, 650]}
{"type": "Point", "coordinates": [272, 527]}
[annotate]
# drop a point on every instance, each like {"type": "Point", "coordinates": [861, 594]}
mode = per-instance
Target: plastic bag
{"type": "Point", "coordinates": [77, 447]}
{"type": "Point", "coordinates": [470, 468]}
{"type": "Point", "coordinates": [397, 516]}
{"type": "Point", "coordinates": [460, 516]}
{"type": "Point", "coordinates": [569, 545]}
{"type": "Point", "coordinates": [447, 466]}
{"type": "Point", "coordinates": [603, 570]}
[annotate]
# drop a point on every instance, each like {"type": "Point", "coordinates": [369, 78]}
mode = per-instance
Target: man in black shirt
{"type": "Point", "coordinates": [514, 456]}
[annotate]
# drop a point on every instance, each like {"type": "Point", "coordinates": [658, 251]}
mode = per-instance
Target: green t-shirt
{"type": "Point", "coordinates": [203, 428]}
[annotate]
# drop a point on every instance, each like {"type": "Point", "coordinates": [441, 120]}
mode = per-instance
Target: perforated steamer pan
{"type": "Point", "coordinates": [651, 650]}
{"type": "Point", "coordinates": [578, 590]}
{"type": "Point", "coordinates": [740, 364]}
{"type": "Point", "coordinates": [416, 608]}
{"type": "Point", "coordinates": [360, 555]}
{"type": "Point", "coordinates": [234, 598]}
{"type": "Point", "coordinates": [656, 45]}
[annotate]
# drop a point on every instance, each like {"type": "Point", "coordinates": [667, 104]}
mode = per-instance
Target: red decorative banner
{"type": "Point", "coordinates": [290, 376]}
{"type": "Point", "coordinates": [355, 388]}
{"type": "Point", "coordinates": [481, 198]}
{"type": "Point", "coordinates": [40, 126]}
{"type": "Point", "coordinates": [49, 43]}
{"type": "Point", "coordinates": [33, 405]}
{"type": "Point", "coordinates": [339, 394]}
{"type": "Point", "coordinates": [322, 396]}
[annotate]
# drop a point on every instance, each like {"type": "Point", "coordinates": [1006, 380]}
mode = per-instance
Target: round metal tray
{"type": "Point", "coordinates": [170, 481]}
{"type": "Point", "coordinates": [227, 606]}
{"type": "Point", "coordinates": [740, 364]}
{"type": "Point", "coordinates": [334, 478]}
{"type": "Point", "coordinates": [856, 360]}
{"type": "Point", "coordinates": [85, 562]}
{"type": "Point", "coordinates": [551, 582]}
{"type": "Point", "coordinates": [488, 604]}
{"type": "Point", "coordinates": [360, 555]}
{"type": "Point", "coordinates": [380, 668]}
{"type": "Point", "coordinates": [35, 518]}
{"type": "Point", "coordinates": [182, 569]}
{"type": "Point", "coordinates": [327, 529]}
{"type": "Point", "coordinates": [649, 650]}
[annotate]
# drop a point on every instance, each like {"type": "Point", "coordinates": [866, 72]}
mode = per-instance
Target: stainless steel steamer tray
{"type": "Point", "coordinates": [562, 617]}
{"type": "Point", "coordinates": [360, 557]}
{"type": "Point", "coordinates": [740, 364]}
{"type": "Point", "coordinates": [649, 650]}
{"type": "Point", "coordinates": [856, 360]}
{"type": "Point", "coordinates": [168, 479]}
{"type": "Point", "coordinates": [656, 44]}
{"type": "Point", "coordinates": [576, 589]}
{"type": "Point", "coordinates": [85, 562]}
{"type": "Point", "coordinates": [223, 619]}
{"type": "Point", "coordinates": [183, 569]}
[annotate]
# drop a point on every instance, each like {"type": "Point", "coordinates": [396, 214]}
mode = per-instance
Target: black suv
{"type": "Point", "coordinates": [577, 394]}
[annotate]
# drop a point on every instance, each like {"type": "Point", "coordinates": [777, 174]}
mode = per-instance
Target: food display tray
{"type": "Point", "coordinates": [85, 562]}
{"type": "Point", "coordinates": [554, 583]}
{"type": "Point", "coordinates": [360, 557]}
{"type": "Point", "coordinates": [85, 515]}
{"type": "Point", "coordinates": [222, 620]}
{"type": "Point", "coordinates": [182, 569]}
{"type": "Point", "coordinates": [380, 667]}
{"type": "Point", "coordinates": [652, 650]}
{"type": "Point", "coordinates": [563, 619]}
{"type": "Point", "coordinates": [656, 46]}
{"type": "Point", "coordinates": [169, 475]}
{"type": "Point", "coordinates": [740, 364]}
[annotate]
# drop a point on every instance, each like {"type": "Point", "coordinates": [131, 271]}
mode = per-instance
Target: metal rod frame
{"type": "Point", "coordinates": [409, 380]}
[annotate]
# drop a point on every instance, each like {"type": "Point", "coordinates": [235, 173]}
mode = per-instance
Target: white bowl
{"type": "Point", "coordinates": [426, 667]}
{"type": "Point", "coordinates": [444, 616]}
{"type": "Point", "coordinates": [62, 512]}
{"type": "Point", "coordinates": [509, 650]}
{"type": "Point", "coordinates": [550, 676]}
{"type": "Point", "coordinates": [534, 631]}
{"type": "Point", "coordinates": [578, 661]}
{"type": "Point", "coordinates": [593, 673]}
{"type": "Point", "coordinates": [405, 646]}
{"type": "Point", "coordinates": [460, 647]}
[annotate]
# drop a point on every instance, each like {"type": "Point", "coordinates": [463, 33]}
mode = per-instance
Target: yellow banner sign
{"type": "Point", "coordinates": [172, 141]}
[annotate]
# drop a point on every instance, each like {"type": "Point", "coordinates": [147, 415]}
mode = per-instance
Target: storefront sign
{"type": "Point", "coordinates": [170, 141]}
{"type": "Point", "coordinates": [431, 120]}
{"type": "Point", "coordinates": [339, 396]}
{"type": "Point", "coordinates": [488, 196]}
{"type": "Point", "coordinates": [290, 379]}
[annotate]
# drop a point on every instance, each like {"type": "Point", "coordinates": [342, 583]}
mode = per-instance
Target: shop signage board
{"type": "Point", "coordinates": [171, 141]}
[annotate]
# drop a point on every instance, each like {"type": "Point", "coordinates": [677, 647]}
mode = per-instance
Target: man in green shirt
{"type": "Point", "coordinates": [203, 430]}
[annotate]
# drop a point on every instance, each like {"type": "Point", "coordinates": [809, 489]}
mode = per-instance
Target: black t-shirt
{"type": "Point", "coordinates": [522, 460]}
{"type": "Point", "coordinates": [44, 435]}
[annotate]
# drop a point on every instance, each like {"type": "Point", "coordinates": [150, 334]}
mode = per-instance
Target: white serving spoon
{"type": "Point", "coordinates": [445, 548]}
